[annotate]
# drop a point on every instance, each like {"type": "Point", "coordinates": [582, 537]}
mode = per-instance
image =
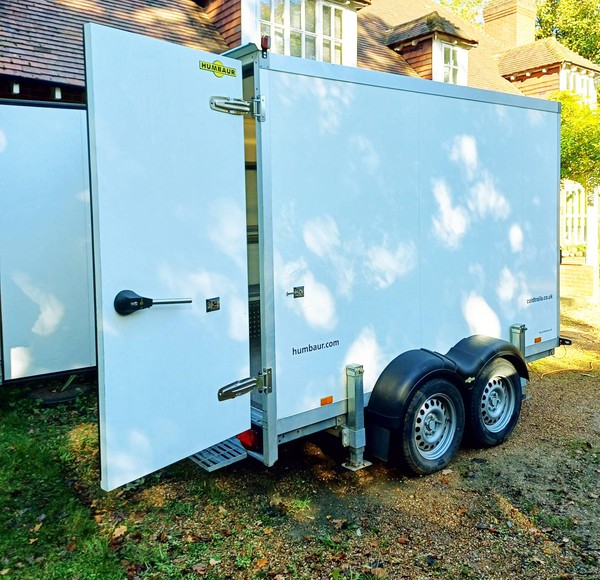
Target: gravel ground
{"type": "Point", "coordinates": [526, 509]}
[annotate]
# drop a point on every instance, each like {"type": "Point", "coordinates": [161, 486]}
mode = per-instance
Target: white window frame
{"type": "Point", "coordinates": [580, 82]}
{"type": "Point", "coordinates": [252, 33]}
{"type": "Point", "coordinates": [438, 65]}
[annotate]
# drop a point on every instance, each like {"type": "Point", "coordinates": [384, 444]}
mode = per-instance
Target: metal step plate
{"type": "Point", "coordinates": [220, 455]}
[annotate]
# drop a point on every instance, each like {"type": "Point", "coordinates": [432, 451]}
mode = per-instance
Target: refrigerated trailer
{"type": "Point", "coordinates": [283, 246]}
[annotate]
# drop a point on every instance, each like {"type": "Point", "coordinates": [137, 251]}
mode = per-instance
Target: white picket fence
{"type": "Point", "coordinates": [578, 222]}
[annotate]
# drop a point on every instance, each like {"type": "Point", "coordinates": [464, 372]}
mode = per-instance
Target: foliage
{"type": "Point", "coordinates": [580, 140]}
{"type": "Point", "coordinates": [575, 23]}
{"type": "Point", "coordinates": [467, 9]}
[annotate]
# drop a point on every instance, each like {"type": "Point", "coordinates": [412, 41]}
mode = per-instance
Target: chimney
{"type": "Point", "coordinates": [512, 22]}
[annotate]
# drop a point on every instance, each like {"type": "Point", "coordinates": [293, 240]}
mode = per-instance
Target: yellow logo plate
{"type": "Point", "coordinates": [218, 68]}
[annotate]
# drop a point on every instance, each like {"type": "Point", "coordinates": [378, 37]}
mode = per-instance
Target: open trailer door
{"type": "Point", "coordinates": [169, 224]}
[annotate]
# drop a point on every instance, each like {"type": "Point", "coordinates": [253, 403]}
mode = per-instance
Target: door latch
{"type": "Point", "coordinates": [262, 383]}
{"type": "Point", "coordinates": [254, 107]}
{"type": "Point", "coordinates": [298, 292]}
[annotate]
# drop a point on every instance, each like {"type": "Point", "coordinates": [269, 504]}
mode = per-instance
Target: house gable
{"type": "Point", "coordinates": [546, 65]}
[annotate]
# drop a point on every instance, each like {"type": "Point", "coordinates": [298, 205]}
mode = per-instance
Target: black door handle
{"type": "Point", "coordinates": [128, 302]}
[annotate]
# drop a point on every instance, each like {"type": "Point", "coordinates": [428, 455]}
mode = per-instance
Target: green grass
{"type": "Point", "coordinates": [56, 522]}
{"type": "Point", "coordinates": [47, 532]}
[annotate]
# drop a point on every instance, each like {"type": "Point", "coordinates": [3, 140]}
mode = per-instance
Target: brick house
{"type": "Point", "coordinates": [41, 58]}
{"type": "Point", "coordinates": [41, 40]}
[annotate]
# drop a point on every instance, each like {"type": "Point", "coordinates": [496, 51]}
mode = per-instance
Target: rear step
{"type": "Point", "coordinates": [220, 455]}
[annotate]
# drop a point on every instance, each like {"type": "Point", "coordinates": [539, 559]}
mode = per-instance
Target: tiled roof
{"type": "Point", "coordinates": [425, 26]}
{"type": "Point", "coordinates": [376, 22]}
{"type": "Point", "coordinates": [541, 53]}
{"type": "Point", "coordinates": [43, 39]}
{"type": "Point", "coordinates": [372, 50]}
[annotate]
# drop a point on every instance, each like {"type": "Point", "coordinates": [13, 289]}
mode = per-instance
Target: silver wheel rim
{"type": "Point", "coordinates": [497, 403]}
{"type": "Point", "coordinates": [434, 427]}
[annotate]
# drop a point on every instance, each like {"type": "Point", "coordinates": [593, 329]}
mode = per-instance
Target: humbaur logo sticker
{"type": "Point", "coordinates": [218, 68]}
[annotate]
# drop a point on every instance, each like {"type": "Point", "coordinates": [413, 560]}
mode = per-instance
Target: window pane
{"type": "Point", "coordinates": [337, 53]}
{"type": "Point", "coordinates": [296, 44]}
{"type": "Point", "coordinates": [451, 75]}
{"type": "Point", "coordinates": [296, 14]}
{"type": "Point", "coordinates": [326, 20]}
{"type": "Point", "coordinates": [310, 24]}
{"type": "Point", "coordinates": [338, 24]}
{"type": "Point", "coordinates": [278, 9]}
{"type": "Point", "coordinates": [265, 30]}
{"type": "Point", "coordinates": [310, 47]}
{"type": "Point", "coordinates": [277, 45]}
{"type": "Point", "coordinates": [327, 50]}
{"type": "Point", "coordinates": [265, 9]}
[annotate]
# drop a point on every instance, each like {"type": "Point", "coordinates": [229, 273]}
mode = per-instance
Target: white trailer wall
{"type": "Point", "coordinates": [46, 296]}
{"type": "Point", "coordinates": [413, 213]}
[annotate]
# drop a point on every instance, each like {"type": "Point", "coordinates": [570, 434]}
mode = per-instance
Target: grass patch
{"type": "Point", "coordinates": [47, 532]}
{"type": "Point", "coordinates": [565, 359]}
{"type": "Point", "coordinates": [556, 522]}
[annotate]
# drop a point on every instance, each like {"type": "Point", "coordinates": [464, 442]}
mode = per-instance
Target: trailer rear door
{"type": "Point", "coordinates": [168, 223]}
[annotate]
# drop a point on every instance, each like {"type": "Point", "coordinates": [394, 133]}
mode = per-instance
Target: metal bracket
{"type": "Point", "coordinates": [517, 336]}
{"type": "Point", "coordinates": [255, 107]}
{"type": "Point", "coordinates": [264, 382]}
{"type": "Point", "coordinates": [261, 383]}
{"type": "Point", "coordinates": [298, 292]}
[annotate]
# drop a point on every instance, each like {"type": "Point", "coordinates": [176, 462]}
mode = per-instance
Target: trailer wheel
{"type": "Point", "coordinates": [494, 404]}
{"type": "Point", "coordinates": [433, 427]}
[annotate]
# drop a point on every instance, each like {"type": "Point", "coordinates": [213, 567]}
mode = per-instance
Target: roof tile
{"type": "Point", "coordinates": [542, 53]}
{"type": "Point", "coordinates": [425, 26]}
{"type": "Point", "coordinates": [45, 37]}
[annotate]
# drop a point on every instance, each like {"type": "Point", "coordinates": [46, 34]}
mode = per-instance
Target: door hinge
{"type": "Point", "coordinates": [261, 383]}
{"type": "Point", "coordinates": [255, 107]}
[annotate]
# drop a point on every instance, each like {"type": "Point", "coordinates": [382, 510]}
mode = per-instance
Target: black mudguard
{"type": "Point", "coordinates": [461, 365]}
{"type": "Point", "coordinates": [472, 354]}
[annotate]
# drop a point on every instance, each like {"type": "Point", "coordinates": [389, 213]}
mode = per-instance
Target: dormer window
{"type": "Point", "coordinates": [449, 63]}
{"type": "Point", "coordinates": [434, 47]}
{"type": "Point", "coordinates": [313, 29]}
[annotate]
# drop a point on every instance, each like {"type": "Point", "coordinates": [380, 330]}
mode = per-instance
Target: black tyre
{"type": "Point", "coordinates": [494, 405]}
{"type": "Point", "coordinates": [433, 427]}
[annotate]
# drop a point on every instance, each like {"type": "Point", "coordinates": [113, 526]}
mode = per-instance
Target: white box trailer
{"type": "Point", "coordinates": [46, 284]}
{"type": "Point", "coordinates": [326, 232]}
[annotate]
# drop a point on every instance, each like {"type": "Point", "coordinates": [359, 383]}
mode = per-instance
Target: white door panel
{"type": "Point", "coordinates": [169, 222]}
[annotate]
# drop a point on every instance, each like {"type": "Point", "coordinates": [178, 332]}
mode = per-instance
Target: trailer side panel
{"type": "Point", "coordinates": [46, 290]}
